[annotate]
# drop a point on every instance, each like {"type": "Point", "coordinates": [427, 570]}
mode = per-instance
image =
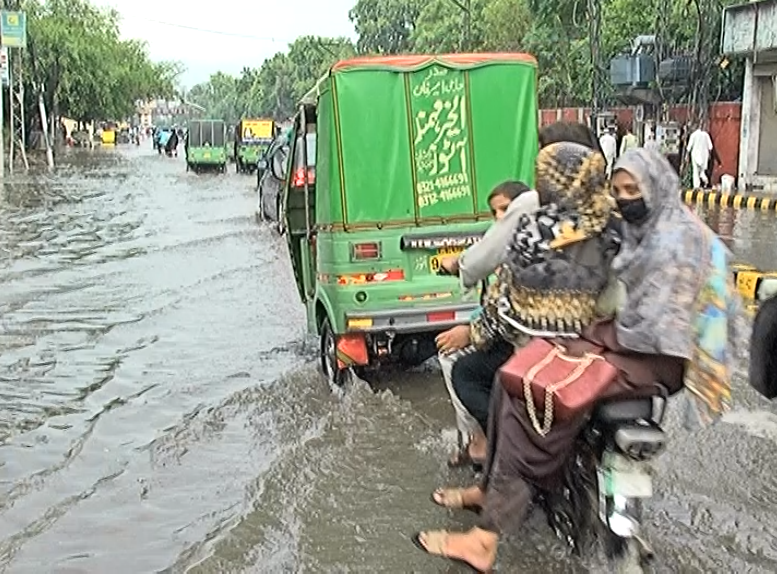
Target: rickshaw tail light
{"type": "Point", "coordinates": [362, 251]}
{"type": "Point", "coordinates": [299, 177]}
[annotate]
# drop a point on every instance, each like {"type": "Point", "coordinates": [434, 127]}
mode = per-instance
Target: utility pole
{"type": "Point", "coordinates": [663, 11]}
{"type": "Point", "coordinates": [6, 70]}
{"type": "Point", "coordinates": [45, 126]}
{"type": "Point", "coordinates": [18, 125]}
{"type": "Point", "coordinates": [594, 33]}
{"type": "Point", "coordinates": [13, 38]}
{"type": "Point", "coordinates": [468, 25]}
{"type": "Point", "coordinates": [466, 7]}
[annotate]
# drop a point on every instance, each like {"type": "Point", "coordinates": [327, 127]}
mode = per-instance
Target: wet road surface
{"type": "Point", "coordinates": [160, 410]}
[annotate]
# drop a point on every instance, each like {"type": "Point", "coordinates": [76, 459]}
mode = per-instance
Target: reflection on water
{"type": "Point", "coordinates": [159, 409]}
{"type": "Point", "coordinates": [751, 235]}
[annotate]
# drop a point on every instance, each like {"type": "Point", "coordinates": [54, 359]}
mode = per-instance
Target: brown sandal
{"type": "Point", "coordinates": [435, 543]}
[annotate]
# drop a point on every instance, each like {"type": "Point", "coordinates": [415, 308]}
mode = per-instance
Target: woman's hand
{"type": "Point", "coordinates": [453, 339]}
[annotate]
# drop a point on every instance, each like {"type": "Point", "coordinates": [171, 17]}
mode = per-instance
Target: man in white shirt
{"type": "Point", "coordinates": [609, 147]}
{"type": "Point", "coordinates": [699, 150]}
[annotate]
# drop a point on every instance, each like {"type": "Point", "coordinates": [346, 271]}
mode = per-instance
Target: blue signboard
{"type": "Point", "coordinates": [13, 29]}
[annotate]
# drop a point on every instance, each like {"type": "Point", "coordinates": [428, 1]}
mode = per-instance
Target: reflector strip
{"type": "Point", "coordinates": [426, 296]}
{"type": "Point", "coordinates": [441, 316]}
{"type": "Point", "coordinates": [367, 278]}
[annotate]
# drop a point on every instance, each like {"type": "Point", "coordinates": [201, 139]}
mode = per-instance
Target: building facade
{"type": "Point", "coordinates": [750, 32]}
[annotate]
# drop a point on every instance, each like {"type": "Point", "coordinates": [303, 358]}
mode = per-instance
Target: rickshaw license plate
{"type": "Point", "coordinates": [631, 483]}
{"type": "Point", "coordinates": [435, 261]}
{"type": "Point", "coordinates": [206, 155]}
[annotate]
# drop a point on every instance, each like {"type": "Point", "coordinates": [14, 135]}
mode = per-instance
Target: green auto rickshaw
{"type": "Point", "coordinates": [252, 138]}
{"type": "Point", "coordinates": [391, 163]}
{"type": "Point", "coordinates": [205, 146]}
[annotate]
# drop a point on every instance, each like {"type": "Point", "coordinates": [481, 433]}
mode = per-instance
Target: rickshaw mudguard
{"type": "Point", "coordinates": [351, 347]}
{"type": "Point", "coordinates": [352, 350]}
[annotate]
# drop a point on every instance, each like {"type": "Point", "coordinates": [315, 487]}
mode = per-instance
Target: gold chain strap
{"type": "Point", "coordinates": [582, 364]}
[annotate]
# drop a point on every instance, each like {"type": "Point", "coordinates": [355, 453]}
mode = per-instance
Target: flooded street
{"type": "Point", "coordinates": [160, 409]}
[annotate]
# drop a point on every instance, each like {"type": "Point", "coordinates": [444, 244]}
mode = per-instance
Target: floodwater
{"type": "Point", "coordinates": [161, 411]}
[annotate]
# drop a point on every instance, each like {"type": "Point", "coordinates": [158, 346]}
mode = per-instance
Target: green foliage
{"type": "Point", "coordinates": [556, 32]}
{"type": "Point", "coordinates": [443, 27]}
{"type": "Point", "coordinates": [508, 23]}
{"type": "Point", "coordinates": [86, 71]}
{"type": "Point", "coordinates": [274, 89]}
{"type": "Point", "coordinates": [385, 26]}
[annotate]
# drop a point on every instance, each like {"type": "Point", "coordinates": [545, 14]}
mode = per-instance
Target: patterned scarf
{"type": "Point", "coordinates": [558, 261]}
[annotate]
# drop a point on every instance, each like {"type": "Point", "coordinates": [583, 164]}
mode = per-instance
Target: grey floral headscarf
{"type": "Point", "coordinates": [662, 262]}
{"type": "Point", "coordinates": [681, 299]}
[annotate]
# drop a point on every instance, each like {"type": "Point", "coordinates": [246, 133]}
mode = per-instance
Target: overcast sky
{"type": "Point", "coordinates": [249, 32]}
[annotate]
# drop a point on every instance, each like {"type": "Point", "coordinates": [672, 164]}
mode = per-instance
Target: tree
{"type": "Point", "coordinates": [556, 32]}
{"type": "Point", "coordinates": [442, 26]}
{"type": "Point", "coordinates": [385, 26]}
{"type": "Point", "coordinates": [311, 56]}
{"type": "Point", "coordinates": [83, 68]}
{"type": "Point", "coordinates": [507, 24]}
{"type": "Point", "coordinates": [276, 78]}
{"type": "Point", "coordinates": [219, 96]}
{"type": "Point", "coordinates": [275, 88]}
{"type": "Point", "coordinates": [490, 25]}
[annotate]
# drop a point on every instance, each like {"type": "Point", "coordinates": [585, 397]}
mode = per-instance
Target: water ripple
{"type": "Point", "coordinates": [160, 408]}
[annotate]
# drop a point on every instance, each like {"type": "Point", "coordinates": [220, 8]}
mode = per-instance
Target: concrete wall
{"type": "Point", "coordinates": [758, 139]}
{"type": "Point", "coordinates": [767, 140]}
{"type": "Point", "coordinates": [750, 32]}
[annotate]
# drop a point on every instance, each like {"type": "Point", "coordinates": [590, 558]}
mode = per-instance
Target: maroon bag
{"type": "Point", "coordinates": [559, 385]}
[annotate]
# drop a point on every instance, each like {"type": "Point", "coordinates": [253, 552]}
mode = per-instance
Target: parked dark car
{"type": "Point", "coordinates": [270, 174]}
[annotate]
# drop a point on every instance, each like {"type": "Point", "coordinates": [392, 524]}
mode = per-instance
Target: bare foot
{"type": "Point", "coordinates": [476, 547]}
{"type": "Point", "coordinates": [457, 498]}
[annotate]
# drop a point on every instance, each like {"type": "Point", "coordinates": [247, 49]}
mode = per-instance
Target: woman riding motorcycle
{"type": "Point", "coordinates": [677, 324]}
{"type": "Point", "coordinates": [469, 373]}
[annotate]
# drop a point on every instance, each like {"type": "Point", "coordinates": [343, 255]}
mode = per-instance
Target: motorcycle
{"type": "Point", "coordinates": [608, 478]}
{"type": "Point", "coordinates": [604, 484]}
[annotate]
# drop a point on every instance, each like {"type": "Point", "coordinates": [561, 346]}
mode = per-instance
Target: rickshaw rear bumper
{"type": "Point", "coordinates": [410, 320]}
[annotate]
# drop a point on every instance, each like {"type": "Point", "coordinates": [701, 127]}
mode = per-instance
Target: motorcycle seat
{"type": "Point", "coordinates": [615, 411]}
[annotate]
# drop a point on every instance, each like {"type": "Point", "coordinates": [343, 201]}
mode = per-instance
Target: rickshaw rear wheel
{"type": "Point", "coordinates": [335, 376]}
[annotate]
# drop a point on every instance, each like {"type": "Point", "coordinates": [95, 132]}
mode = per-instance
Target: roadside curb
{"type": "Point", "coordinates": [755, 285]}
{"type": "Point", "coordinates": [737, 201]}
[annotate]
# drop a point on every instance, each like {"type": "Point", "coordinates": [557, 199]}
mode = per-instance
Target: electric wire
{"type": "Point", "coordinates": [208, 30]}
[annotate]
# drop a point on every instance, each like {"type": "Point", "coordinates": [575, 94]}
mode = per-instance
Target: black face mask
{"type": "Point", "coordinates": [633, 210]}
